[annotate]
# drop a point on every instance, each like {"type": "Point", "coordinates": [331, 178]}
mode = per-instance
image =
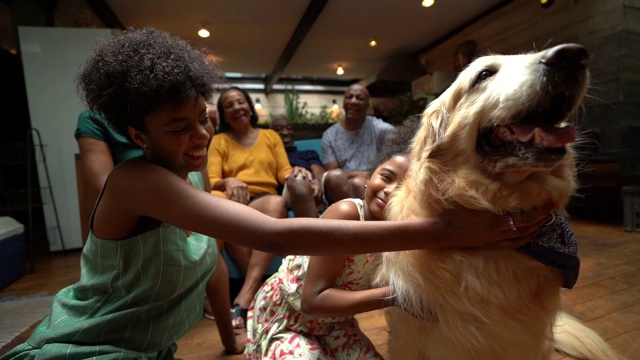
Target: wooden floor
{"type": "Point", "coordinates": [606, 297]}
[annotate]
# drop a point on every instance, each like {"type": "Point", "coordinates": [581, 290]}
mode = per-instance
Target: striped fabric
{"type": "Point", "coordinates": [134, 300]}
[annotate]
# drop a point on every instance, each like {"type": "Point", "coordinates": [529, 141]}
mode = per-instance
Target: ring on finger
{"type": "Point", "coordinates": [512, 225]}
{"type": "Point", "coordinates": [551, 219]}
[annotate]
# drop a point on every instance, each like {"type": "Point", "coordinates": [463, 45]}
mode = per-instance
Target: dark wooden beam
{"type": "Point", "coordinates": [106, 15]}
{"type": "Point", "coordinates": [306, 22]}
{"type": "Point", "coordinates": [49, 8]}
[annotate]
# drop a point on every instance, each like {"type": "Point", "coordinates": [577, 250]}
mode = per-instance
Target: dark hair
{"type": "Point", "coordinates": [139, 71]}
{"type": "Point", "coordinates": [400, 142]}
{"type": "Point", "coordinates": [224, 125]}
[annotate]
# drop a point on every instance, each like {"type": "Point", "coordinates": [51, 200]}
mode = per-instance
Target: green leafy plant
{"type": "Point", "coordinates": [321, 117]}
{"type": "Point", "coordinates": [293, 109]}
{"type": "Point", "coordinates": [407, 105]}
{"type": "Point", "coordinates": [298, 113]}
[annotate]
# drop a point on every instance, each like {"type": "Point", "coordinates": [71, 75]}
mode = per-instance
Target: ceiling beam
{"type": "Point", "coordinates": [306, 22]}
{"type": "Point", "coordinates": [106, 15]}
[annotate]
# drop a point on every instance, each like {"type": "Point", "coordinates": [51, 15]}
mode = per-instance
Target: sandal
{"type": "Point", "coordinates": [239, 316]}
{"type": "Point", "coordinates": [208, 313]}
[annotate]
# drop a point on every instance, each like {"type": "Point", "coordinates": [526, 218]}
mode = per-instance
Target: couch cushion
{"type": "Point", "coordinates": [310, 144]}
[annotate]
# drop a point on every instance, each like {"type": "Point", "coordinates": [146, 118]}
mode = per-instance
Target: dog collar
{"type": "Point", "coordinates": [555, 245]}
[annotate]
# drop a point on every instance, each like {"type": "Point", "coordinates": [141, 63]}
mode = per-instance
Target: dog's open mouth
{"type": "Point", "coordinates": [539, 134]}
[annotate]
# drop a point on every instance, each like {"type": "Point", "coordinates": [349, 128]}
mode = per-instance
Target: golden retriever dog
{"type": "Point", "coordinates": [498, 139]}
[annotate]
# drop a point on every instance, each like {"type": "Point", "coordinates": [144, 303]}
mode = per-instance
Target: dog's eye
{"type": "Point", "coordinates": [484, 75]}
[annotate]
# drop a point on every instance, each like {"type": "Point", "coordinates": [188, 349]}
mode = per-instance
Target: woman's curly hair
{"type": "Point", "coordinates": [139, 71]}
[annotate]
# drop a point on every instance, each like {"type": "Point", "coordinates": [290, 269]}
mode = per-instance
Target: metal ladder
{"type": "Point", "coordinates": [31, 148]}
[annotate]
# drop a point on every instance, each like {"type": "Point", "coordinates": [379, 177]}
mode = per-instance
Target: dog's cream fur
{"type": "Point", "coordinates": [485, 304]}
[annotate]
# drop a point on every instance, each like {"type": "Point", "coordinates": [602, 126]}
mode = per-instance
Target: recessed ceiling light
{"type": "Point", "coordinates": [340, 70]}
{"type": "Point", "coordinates": [203, 32]}
{"type": "Point", "coordinates": [428, 3]}
{"type": "Point", "coordinates": [373, 42]}
{"type": "Point", "coordinates": [546, 3]}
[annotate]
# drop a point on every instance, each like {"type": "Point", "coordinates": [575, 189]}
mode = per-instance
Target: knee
{"type": "Point", "coordinates": [335, 178]}
{"type": "Point", "coordinates": [357, 182]}
{"type": "Point", "coordinates": [272, 205]}
{"type": "Point", "coordinates": [357, 186]}
{"type": "Point", "coordinates": [218, 194]}
{"type": "Point", "coordinates": [280, 203]}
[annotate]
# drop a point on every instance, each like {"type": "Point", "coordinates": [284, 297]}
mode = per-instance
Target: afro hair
{"type": "Point", "coordinates": [139, 71]}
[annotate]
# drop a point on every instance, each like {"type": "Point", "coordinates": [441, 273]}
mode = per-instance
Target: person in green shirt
{"type": "Point", "coordinates": [100, 149]}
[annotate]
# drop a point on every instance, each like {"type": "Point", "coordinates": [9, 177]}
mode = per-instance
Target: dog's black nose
{"type": "Point", "coordinates": [565, 56]}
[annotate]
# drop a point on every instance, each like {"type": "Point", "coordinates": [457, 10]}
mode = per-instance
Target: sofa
{"type": "Point", "coordinates": [235, 275]}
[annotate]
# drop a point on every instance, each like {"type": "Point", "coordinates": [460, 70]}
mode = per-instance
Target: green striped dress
{"type": "Point", "coordinates": [134, 300]}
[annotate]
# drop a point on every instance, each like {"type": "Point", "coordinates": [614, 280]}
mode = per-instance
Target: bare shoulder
{"type": "Point", "coordinates": [139, 169]}
{"type": "Point", "coordinates": [116, 215]}
{"type": "Point", "coordinates": [136, 179]}
{"type": "Point", "coordinates": [343, 209]}
{"type": "Point", "coordinates": [136, 189]}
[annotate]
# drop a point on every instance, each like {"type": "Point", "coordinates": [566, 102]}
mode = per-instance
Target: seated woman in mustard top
{"type": "Point", "coordinates": [246, 165]}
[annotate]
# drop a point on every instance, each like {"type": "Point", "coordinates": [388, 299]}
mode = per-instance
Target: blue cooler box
{"type": "Point", "coordinates": [13, 251]}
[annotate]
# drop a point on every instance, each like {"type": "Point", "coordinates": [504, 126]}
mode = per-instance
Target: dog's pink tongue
{"type": "Point", "coordinates": [548, 136]}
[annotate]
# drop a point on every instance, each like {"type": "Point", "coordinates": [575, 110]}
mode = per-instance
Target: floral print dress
{"type": "Point", "coordinates": [277, 329]}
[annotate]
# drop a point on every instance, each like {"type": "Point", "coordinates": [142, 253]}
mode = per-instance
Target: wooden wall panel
{"type": "Point", "coordinates": [610, 117]}
{"type": "Point", "coordinates": [609, 29]}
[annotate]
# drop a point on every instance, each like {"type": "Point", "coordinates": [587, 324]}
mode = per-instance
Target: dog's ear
{"type": "Point", "coordinates": [432, 130]}
{"type": "Point", "coordinates": [436, 121]}
{"type": "Point", "coordinates": [429, 147]}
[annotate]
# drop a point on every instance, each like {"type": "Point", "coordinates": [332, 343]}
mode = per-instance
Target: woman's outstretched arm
{"type": "Point", "coordinates": [145, 189]}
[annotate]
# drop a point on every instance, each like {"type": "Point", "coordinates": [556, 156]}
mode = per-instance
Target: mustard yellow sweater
{"type": "Point", "coordinates": [261, 167]}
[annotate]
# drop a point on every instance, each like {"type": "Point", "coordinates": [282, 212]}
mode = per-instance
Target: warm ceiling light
{"type": "Point", "coordinates": [203, 32]}
{"type": "Point", "coordinates": [258, 105]}
{"type": "Point", "coordinates": [546, 3]}
{"type": "Point", "coordinates": [373, 43]}
{"type": "Point", "coordinates": [340, 70]}
{"type": "Point", "coordinates": [335, 105]}
{"type": "Point", "coordinates": [428, 3]}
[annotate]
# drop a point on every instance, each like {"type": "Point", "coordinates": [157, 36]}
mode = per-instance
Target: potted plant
{"type": "Point", "coordinates": [307, 125]}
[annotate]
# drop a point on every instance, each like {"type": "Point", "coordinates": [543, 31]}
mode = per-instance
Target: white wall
{"type": "Point", "coordinates": [52, 59]}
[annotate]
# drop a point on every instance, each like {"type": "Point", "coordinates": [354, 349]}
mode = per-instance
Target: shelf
{"type": "Point", "coordinates": [21, 196]}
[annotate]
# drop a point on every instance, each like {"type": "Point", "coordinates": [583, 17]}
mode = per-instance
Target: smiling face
{"type": "Point", "coordinates": [520, 106]}
{"type": "Point", "coordinates": [177, 138]}
{"type": "Point", "coordinates": [503, 129]}
{"type": "Point", "coordinates": [283, 127]}
{"type": "Point", "coordinates": [237, 110]}
{"type": "Point", "coordinates": [384, 180]}
{"type": "Point", "coordinates": [356, 103]}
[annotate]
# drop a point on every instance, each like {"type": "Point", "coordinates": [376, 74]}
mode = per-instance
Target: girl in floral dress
{"type": "Point", "coordinates": [306, 310]}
